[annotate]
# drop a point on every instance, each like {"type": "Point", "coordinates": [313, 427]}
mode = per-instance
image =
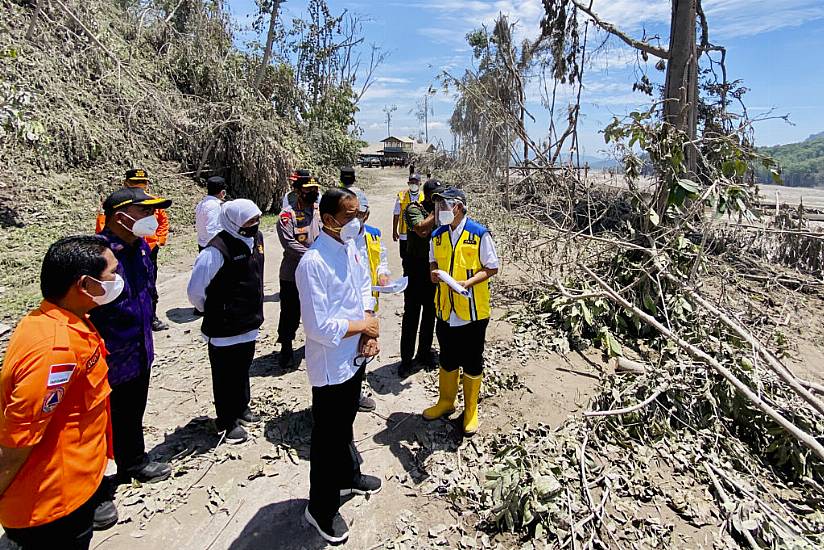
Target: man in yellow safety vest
{"type": "Point", "coordinates": [463, 249]}
{"type": "Point", "coordinates": [405, 198]}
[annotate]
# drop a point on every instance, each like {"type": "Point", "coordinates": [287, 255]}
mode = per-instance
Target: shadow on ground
{"type": "Point", "coordinates": [291, 430]}
{"type": "Point", "coordinates": [197, 437]}
{"type": "Point", "coordinates": [386, 380]}
{"type": "Point", "coordinates": [268, 365]}
{"type": "Point", "coordinates": [279, 525]}
{"type": "Point", "coordinates": [182, 315]}
{"type": "Point", "coordinates": [412, 439]}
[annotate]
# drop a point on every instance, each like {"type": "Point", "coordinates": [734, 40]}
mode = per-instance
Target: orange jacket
{"type": "Point", "coordinates": [158, 239]}
{"type": "Point", "coordinates": [54, 398]}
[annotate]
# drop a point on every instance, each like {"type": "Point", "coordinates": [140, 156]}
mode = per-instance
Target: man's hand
{"type": "Point", "coordinates": [434, 275]}
{"type": "Point", "coordinates": [466, 284]}
{"type": "Point", "coordinates": [369, 347]}
{"type": "Point", "coordinates": [383, 280]}
{"type": "Point", "coordinates": [371, 327]}
{"type": "Point", "coordinates": [395, 235]}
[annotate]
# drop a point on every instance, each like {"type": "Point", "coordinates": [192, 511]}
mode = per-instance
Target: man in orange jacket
{"type": "Point", "coordinates": [137, 178]}
{"type": "Point", "coordinates": [54, 412]}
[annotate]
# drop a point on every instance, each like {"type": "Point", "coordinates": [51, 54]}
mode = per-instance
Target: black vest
{"type": "Point", "coordinates": [234, 298]}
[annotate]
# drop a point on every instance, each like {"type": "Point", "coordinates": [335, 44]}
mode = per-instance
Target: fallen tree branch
{"type": "Point", "coordinates": [806, 439]}
{"type": "Point", "coordinates": [775, 365]}
{"type": "Point", "coordinates": [655, 394]}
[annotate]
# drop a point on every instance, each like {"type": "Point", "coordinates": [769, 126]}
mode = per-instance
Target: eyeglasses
{"type": "Point", "coordinates": [362, 361]}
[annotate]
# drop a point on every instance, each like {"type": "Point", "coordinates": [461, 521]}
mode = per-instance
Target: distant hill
{"type": "Point", "coordinates": [802, 164]}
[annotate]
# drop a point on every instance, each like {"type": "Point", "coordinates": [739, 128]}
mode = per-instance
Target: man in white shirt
{"type": "Point", "coordinates": [227, 285]}
{"type": "Point", "coordinates": [207, 212]}
{"type": "Point", "coordinates": [463, 249]}
{"type": "Point", "coordinates": [337, 306]}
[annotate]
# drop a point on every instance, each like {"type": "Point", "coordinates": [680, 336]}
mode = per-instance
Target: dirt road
{"type": "Point", "coordinates": [253, 495]}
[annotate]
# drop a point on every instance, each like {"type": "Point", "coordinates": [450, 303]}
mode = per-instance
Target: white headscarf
{"type": "Point", "coordinates": [233, 214]}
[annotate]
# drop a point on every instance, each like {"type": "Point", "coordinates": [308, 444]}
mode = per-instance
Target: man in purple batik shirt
{"type": "Point", "coordinates": [126, 327]}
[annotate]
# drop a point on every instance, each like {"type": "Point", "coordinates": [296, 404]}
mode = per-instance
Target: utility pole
{"type": "Point", "coordinates": [429, 92]}
{"type": "Point", "coordinates": [389, 110]}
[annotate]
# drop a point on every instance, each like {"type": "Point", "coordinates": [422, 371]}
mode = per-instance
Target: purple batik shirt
{"type": "Point", "coordinates": [126, 323]}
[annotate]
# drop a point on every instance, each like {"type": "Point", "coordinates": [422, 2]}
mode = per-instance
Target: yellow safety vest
{"type": "Point", "coordinates": [373, 250]}
{"type": "Point", "coordinates": [461, 262]}
{"type": "Point", "coordinates": [405, 199]}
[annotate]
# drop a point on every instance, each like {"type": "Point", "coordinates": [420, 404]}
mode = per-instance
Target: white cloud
{"type": "Point", "coordinates": [392, 80]}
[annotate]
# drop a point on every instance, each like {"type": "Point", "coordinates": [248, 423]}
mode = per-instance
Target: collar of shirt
{"type": "Point", "coordinates": [66, 317]}
{"type": "Point", "coordinates": [455, 234]}
{"type": "Point", "coordinates": [117, 244]}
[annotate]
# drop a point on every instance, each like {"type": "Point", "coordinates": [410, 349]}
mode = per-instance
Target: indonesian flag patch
{"type": "Point", "coordinates": [60, 374]}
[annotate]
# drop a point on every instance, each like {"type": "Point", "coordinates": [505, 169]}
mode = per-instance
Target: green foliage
{"type": "Point", "coordinates": [722, 178]}
{"type": "Point", "coordinates": [801, 164]}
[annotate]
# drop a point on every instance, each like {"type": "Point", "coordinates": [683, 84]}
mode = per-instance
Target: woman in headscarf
{"type": "Point", "coordinates": [227, 285]}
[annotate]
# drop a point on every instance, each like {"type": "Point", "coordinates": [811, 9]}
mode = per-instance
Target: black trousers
{"type": "Point", "coordinates": [462, 347]}
{"type": "Point", "coordinates": [72, 532]}
{"type": "Point", "coordinates": [128, 402]}
{"type": "Point", "coordinates": [289, 311]}
{"type": "Point", "coordinates": [402, 250]}
{"type": "Point", "coordinates": [153, 256]}
{"type": "Point", "coordinates": [230, 381]}
{"type": "Point", "coordinates": [334, 463]}
{"type": "Point", "coordinates": [418, 307]}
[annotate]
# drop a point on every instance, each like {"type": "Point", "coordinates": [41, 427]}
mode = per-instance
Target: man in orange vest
{"type": "Point", "coordinates": [54, 412]}
{"type": "Point", "coordinates": [137, 177]}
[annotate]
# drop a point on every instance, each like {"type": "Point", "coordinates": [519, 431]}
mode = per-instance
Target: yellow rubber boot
{"type": "Point", "coordinates": [472, 389]}
{"type": "Point", "coordinates": [447, 392]}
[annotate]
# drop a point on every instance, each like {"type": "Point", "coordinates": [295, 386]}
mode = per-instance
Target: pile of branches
{"type": "Point", "coordinates": [707, 419]}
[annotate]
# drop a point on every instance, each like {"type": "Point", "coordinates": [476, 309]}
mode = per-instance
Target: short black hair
{"type": "Point", "coordinates": [215, 185]}
{"type": "Point", "coordinates": [331, 200]}
{"type": "Point", "coordinates": [69, 259]}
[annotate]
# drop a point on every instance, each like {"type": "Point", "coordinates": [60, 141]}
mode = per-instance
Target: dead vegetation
{"type": "Point", "coordinates": [709, 437]}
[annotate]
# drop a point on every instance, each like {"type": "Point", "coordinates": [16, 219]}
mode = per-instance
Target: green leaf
{"type": "Point", "coordinates": [689, 186]}
{"type": "Point", "coordinates": [587, 314]}
{"type": "Point", "coordinates": [649, 304]}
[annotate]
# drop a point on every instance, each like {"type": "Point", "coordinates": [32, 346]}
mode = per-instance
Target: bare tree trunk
{"type": "Point", "coordinates": [270, 40]}
{"type": "Point", "coordinates": [681, 87]}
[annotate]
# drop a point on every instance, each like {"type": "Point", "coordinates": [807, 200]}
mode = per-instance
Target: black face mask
{"type": "Point", "coordinates": [310, 198]}
{"type": "Point", "coordinates": [250, 231]}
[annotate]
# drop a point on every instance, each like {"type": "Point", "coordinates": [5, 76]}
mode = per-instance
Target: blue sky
{"type": "Point", "coordinates": [776, 47]}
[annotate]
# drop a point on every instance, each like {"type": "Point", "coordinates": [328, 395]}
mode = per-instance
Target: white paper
{"type": "Point", "coordinates": [395, 287]}
{"type": "Point", "coordinates": [452, 283]}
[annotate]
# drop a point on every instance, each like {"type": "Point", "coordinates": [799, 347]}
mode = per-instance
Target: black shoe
{"type": "Point", "coordinates": [105, 516]}
{"type": "Point", "coordinates": [335, 533]}
{"type": "Point", "coordinates": [405, 369]}
{"type": "Point", "coordinates": [150, 472]}
{"type": "Point", "coordinates": [286, 358]}
{"type": "Point", "coordinates": [158, 325]}
{"type": "Point", "coordinates": [366, 404]}
{"type": "Point", "coordinates": [236, 435]}
{"type": "Point", "coordinates": [365, 485]}
{"type": "Point", "coordinates": [247, 418]}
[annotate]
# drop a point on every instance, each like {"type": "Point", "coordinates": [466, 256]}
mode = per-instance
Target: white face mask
{"type": "Point", "coordinates": [144, 227]}
{"type": "Point", "coordinates": [111, 290]}
{"type": "Point", "coordinates": [350, 230]}
{"type": "Point", "coordinates": [446, 217]}
{"type": "Point", "coordinates": [413, 188]}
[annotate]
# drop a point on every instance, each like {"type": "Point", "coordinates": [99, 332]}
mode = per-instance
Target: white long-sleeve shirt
{"type": "Point", "coordinates": [207, 264]}
{"type": "Point", "coordinates": [488, 257]}
{"type": "Point", "coordinates": [335, 287]}
{"type": "Point", "coordinates": [207, 219]}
